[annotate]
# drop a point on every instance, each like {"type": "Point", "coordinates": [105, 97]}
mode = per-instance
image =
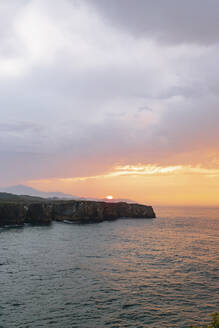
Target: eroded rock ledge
{"type": "Point", "coordinates": [73, 211]}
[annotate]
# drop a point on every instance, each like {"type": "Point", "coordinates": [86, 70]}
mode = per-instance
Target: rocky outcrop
{"type": "Point", "coordinates": [89, 211]}
{"type": "Point", "coordinates": [17, 214]}
{"type": "Point", "coordinates": [73, 211]}
{"type": "Point", "coordinates": [39, 213]}
{"type": "Point", "coordinates": [12, 214]}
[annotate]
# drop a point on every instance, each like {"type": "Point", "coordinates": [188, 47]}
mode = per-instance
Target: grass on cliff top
{"type": "Point", "coordinates": [11, 198]}
{"type": "Point", "coordinates": [213, 324]}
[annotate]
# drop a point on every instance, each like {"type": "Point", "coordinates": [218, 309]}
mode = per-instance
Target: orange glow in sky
{"type": "Point", "coordinates": [149, 184]}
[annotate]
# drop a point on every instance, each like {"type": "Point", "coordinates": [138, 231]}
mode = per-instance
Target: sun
{"type": "Point", "coordinates": [109, 197]}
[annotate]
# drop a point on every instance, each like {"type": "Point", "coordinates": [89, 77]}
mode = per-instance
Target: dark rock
{"type": "Point", "coordinates": [74, 211]}
{"type": "Point", "coordinates": [90, 211]}
{"type": "Point", "coordinates": [12, 214]}
{"type": "Point", "coordinates": [78, 211]}
{"type": "Point", "coordinates": [39, 213]}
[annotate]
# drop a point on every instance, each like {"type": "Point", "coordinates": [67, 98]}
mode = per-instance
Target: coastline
{"type": "Point", "coordinates": [45, 211]}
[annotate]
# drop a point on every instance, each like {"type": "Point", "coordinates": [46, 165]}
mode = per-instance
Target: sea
{"type": "Point", "coordinates": [156, 273]}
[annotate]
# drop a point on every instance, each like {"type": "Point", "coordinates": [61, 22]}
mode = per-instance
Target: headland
{"type": "Point", "coordinates": [18, 210]}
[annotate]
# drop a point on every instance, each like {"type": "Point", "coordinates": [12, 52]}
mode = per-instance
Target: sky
{"type": "Point", "coordinates": [116, 97]}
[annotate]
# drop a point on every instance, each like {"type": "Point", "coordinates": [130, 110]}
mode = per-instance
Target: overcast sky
{"type": "Point", "coordinates": [89, 84]}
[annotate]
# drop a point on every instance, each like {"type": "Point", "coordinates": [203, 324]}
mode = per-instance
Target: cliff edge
{"type": "Point", "coordinates": [44, 211]}
{"type": "Point", "coordinates": [91, 211]}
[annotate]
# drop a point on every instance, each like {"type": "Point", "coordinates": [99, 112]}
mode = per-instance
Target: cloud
{"type": "Point", "coordinates": [168, 21]}
{"type": "Point", "coordinates": [82, 90]}
{"type": "Point", "coordinates": [17, 127]}
{"type": "Point", "coordinates": [130, 171]}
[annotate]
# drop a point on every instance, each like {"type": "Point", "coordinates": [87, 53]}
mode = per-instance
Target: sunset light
{"type": "Point", "coordinates": [110, 197]}
{"type": "Point", "coordinates": [145, 183]}
{"type": "Point", "coordinates": [109, 112]}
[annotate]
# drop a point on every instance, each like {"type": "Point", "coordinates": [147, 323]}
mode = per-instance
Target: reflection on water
{"type": "Point", "coordinates": [128, 273]}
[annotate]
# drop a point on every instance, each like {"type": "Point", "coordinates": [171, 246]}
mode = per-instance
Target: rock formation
{"type": "Point", "coordinates": [89, 211]}
{"type": "Point", "coordinates": [39, 213]}
{"type": "Point", "coordinates": [12, 214]}
{"type": "Point", "coordinates": [43, 212]}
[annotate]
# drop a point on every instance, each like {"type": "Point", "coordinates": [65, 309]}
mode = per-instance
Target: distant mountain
{"type": "Point", "coordinates": [25, 190]}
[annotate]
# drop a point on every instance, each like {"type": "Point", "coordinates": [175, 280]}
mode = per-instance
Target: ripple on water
{"type": "Point", "coordinates": [127, 273]}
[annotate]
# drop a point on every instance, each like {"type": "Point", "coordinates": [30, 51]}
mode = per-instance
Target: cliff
{"type": "Point", "coordinates": [90, 211]}
{"type": "Point", "coordinates": [12, 214]}
{"type": "Point", "coordinates": [43, 212]}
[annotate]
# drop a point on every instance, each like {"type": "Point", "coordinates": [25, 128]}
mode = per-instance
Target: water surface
{"type": "Point", "coordinates": [127, 273]}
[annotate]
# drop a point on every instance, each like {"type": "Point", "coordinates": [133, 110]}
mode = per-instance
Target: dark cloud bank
{"type": "Point", "coordinates": [168, 21]}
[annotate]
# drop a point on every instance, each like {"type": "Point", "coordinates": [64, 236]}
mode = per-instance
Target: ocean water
{"type": "Point", "coordinates": [126, 273]}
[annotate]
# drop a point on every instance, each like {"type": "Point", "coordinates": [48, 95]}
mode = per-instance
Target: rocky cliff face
{"type": "Point", "coordinates": [89, 211]}
{"type": "Point", "coordinates": [75, 211]}
{"type": "Point", "coordinates": [39, 213]}
{"type": "Point", "coordinates": [12, 214]}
